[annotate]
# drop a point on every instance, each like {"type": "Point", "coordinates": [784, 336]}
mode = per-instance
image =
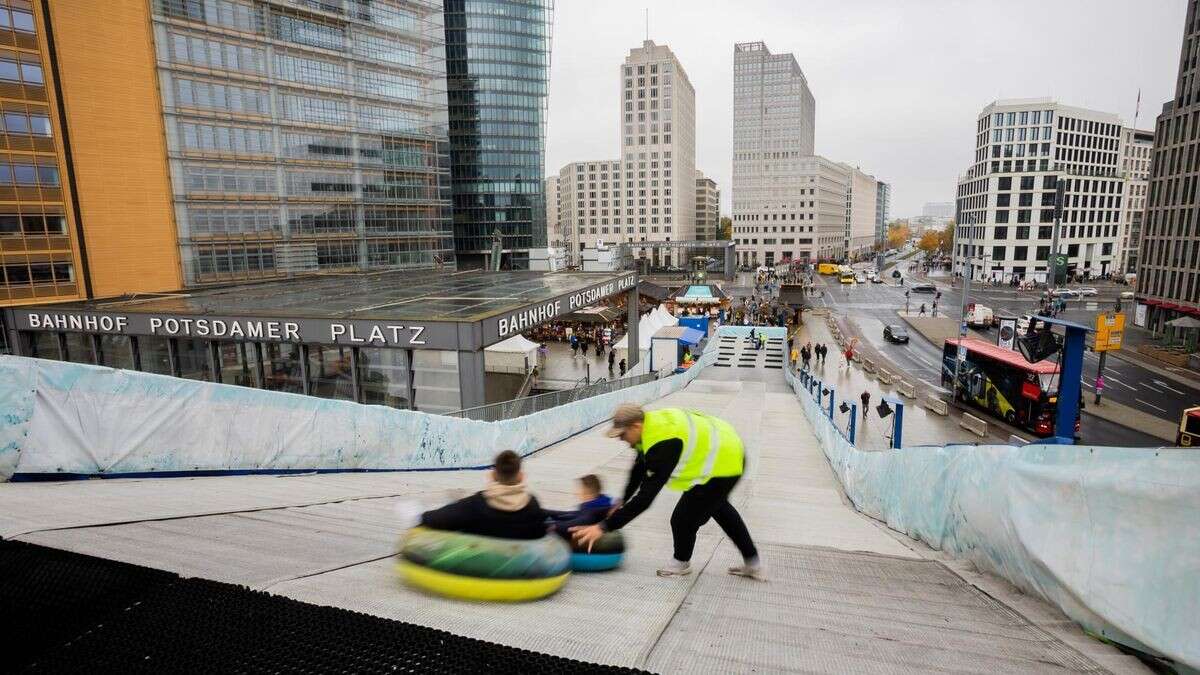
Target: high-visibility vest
{"type": "Point", "coordinates": [711, 447]}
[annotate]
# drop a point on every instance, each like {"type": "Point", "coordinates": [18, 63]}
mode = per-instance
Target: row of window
{"type": "Point", "coordinates": [20, 274]}
{"type": "Point", "coordinates": [24, 175]}
{"type": "Point", "coordinates": [22, 68]}
{"type": "Point", "coordinates": [32, 224]}
{"type": "Point", "coordinates": [36, 124]}
{"type": "Point", "coordinates": [16, 18]}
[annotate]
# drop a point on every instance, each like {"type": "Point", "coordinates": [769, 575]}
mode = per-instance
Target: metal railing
{"type": "Point", "coordinates": [494, 412]}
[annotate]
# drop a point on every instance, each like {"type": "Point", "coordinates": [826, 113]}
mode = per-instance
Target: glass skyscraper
{"type": "Point", "coordinates": [305, 135]}
{"type": "Point", "coordinates": [497, 68]}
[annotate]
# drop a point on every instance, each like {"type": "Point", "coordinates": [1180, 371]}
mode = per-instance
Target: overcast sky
{"type": "Point", "coordinates": [898, 84]}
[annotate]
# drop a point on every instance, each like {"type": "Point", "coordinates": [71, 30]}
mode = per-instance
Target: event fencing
{"type": "Point", "coordinates": [519, 407]}
{"type": "Point", "coordinates": [1111, 536]}
{"type": "Point", "coordinates": [61, 420]}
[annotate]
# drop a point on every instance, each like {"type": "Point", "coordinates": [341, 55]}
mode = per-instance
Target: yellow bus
{"type": "Point", "coordinates": [827, 268]}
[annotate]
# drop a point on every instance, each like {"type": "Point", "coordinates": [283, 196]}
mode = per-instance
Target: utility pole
{"type": "Point", "coordinates": [962, 314]}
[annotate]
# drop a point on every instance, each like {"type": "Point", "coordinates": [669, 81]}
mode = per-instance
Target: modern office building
{"type": "Point", "coordinates": [708, 207]}
{"type": "Point", "coordinates": [658, 146]}
{"type": "Point", "coordinates": [254, 140]}
{"type": "Point", "coordinates": [498, 73]}
{"type": "Point", "coordinates": [1005, 205]}
{"type": "Point", "coordinates": [1168, 264]}
{"type": "Point", "coordinates": [1139, 147]}
{"type": "Point", "coordinates": [883, 203]}
{"type": "Point", "coordinates": [938, 210]}
{"type": "Point", "coordinates": [862, 215]}
{"type": "Point", "coordinates": [815, 224]}
{"type": "Point", "coordinates": [591, 206]}
{"type": "Point", "coordinates": [775, 176]}
{"type": "Point", "coordinates": [554, 232]}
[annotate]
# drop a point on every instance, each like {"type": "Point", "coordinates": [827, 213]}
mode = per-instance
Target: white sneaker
{"type": "Point", "coordinates": [675, 569]}
{"type": "Point", "coordinates": [749, 570]}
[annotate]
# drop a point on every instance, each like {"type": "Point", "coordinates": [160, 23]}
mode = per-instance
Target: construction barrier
{"type": "Point", "coordinates": [906, 389]}
{"type": "Point", "coordinates": [868, 365]}
{"type": "Point", "coordinates": [1107, 535]}
{"type": "Point", "coordinates": [885, 376]}
{"type": "Point", "coordinates": [937, 405]}
{"type": "Point", "coordinates": [973, 424]}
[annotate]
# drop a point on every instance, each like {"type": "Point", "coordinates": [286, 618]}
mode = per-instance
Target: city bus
{"type": "Point", "coordinates": [827, 268]}
{"type": "Point", "coordinates": [1001, 382]}
{"type": "Point", "coordinates": [1189, 429]}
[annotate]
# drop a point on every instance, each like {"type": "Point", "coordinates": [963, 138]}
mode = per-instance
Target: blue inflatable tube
{"type": "Point", "coordinates": [595, 562]}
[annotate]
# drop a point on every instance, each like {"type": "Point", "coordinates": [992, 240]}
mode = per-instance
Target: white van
{"type": "Point", "coordinates": [979, 316]}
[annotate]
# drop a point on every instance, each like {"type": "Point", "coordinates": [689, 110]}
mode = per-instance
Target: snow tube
{"type": "Point", "coordinates": [473, 567]}
{"type": "Point", "coordinates": [607, 553]}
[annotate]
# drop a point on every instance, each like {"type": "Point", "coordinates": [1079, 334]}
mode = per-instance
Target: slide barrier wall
{"type": "Point", "coordinates": [1109, 535]}
{"type": "Point", "coordinates": [61, 420]}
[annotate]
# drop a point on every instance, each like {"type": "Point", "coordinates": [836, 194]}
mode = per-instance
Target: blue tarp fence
{"type": "Point", "coordinates": [1109, 535]}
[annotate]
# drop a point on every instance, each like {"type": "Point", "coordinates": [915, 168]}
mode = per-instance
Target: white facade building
{"type": "Point", "coordinates": [708, 207]}
{"type": "Point", "coordinates": [658, 146]}
{"type": "Point", "coordinates": [1005, 202]}
{"type": "Point", "coordinates": [861, 214]}
{"type": "Point", "coordinates": [554, 233]}
{"type": "Point", "coordinates": [938, 210]}
{"type": "Point", "coordinates": [650, 193]}
{"type": "Point", "coordinates": [1139, 148]}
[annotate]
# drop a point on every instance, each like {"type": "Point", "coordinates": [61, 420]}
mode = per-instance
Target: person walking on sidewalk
{"type": "Point", "coordinates": [866, 402]}
{"type": "Point", "coordinates": [612, 359]}
{"type": "Point", "coordinates": [922, 312]}
{"type": "Point", "coordinates": [697, 454]}
{"type": "Point", "coordinates": [794, 355]}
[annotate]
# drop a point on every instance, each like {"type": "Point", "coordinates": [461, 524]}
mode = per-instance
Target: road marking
{"type": "Point", "coordinates": [1164, 386]}
{"type": "Point", "coordinates": [1153, 389]}
{"type": "Point", "coordinates": [1115, 380]}
{"type": "Point", "coordinates": [1149, 404]}
{"type": "Point", "coordinates": [1086, 384]}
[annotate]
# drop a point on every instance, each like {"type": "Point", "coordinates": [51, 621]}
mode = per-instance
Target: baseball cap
{"type": "Point", "coordinates": [625, 415]}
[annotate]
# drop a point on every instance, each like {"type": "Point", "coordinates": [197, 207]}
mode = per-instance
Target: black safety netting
{"type": "Point", "coordinates": [67, 612]}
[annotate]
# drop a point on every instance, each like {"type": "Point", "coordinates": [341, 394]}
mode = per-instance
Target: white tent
{"type": "Point", "coordinates": [667, 319]}
{"type": "Point", "coordinates": [509, 356]}
{"type": "Point", "coordinates": [648, 325]}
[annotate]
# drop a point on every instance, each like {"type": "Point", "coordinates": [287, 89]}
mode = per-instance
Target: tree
{"type": "Point", "coordinates": [930, 241]}
{"type": "Point", "coordinates": [725, 229]}
{"type": "Point", "coordinates": [898, 233]}
{"type": "Point", "coordinates": [946, 237]}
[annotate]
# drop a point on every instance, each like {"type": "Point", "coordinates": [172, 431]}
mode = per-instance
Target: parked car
{"type": "Point", "coordinates": [860, 278]}
{"type": "Point", "coordinates": [924, 288]}
{"type": "Point", "coordinates": [1126, 295]}
{"type": "Point", "coordinates": [1086, 291]}
{"type": "Point", "coordinates": [1064, 293]}
{"type": "Point", "coordinates": [895, 333]}
{"type": "Point", "coordinates": [876, 279]}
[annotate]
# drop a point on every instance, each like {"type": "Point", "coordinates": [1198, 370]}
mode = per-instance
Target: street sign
{"type": "Point", "coordinates": [1139, 314]}
{"type": "Point", "coordinates": [1110, 328]}
{"type": "Point", "coordinates": [1059, 268]}
{"type": "Point", "coordinates": [962, 352]}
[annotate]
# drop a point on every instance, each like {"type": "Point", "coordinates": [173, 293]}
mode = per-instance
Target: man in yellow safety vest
{"type": "Point", "coordinates": [694, 453]}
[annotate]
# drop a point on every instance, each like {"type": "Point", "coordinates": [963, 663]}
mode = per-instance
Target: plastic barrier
{"type": "Point", "coordinates": [937, 405]}
{"type": "Point", "coordinates": [1108, 535]}
{"type": "Point", "coordinates": [906, 389]}
{"type": "Point", "coordinates": [973, 424]}
{"type": "Point", "coordinates": [885, 376]}
{"type": "Point", "coordinates": [61, 420]}
{"type": "Point", "coordinates": [868, 366]}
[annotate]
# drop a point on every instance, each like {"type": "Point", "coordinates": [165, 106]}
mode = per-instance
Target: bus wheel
{"type": "Point", "coordinates": [1010, 417]}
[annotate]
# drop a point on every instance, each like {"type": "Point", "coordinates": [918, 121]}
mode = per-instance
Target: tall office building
{"type": "Point", "coordinates": [862, 214]}
{"type": "Point", "coordinates": [658, 147]}
{"type": "Point", "coordinates": [554, 231]}
{"type": "Point", "coordinates": [1139, 146]}
{"type": "Point", "coordinates": [708, 207]}
{"type": "Point", "coordinates": [938, 210]}
{"type": "Point", "coordinates": [1006, 199]}
{"type": "Point", "coordinates": [498, 71]}
{"type": "Point", "coordinates": [883, 203]}
{"type": "Point", "coordinates": [774, 118]}
{"type": "Point", "coordinates": [254, 139]}
{"type": "Point", "coordinates": [1169, 260]}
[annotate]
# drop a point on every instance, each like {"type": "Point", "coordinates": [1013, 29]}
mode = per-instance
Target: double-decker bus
{"type": "Point", "coordinates": [1004, 384]}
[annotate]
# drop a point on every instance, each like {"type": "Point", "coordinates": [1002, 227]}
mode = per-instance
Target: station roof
{"type": "Point", "coordinates": [382, 296]}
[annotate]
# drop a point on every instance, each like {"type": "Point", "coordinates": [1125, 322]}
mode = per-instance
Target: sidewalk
{"type": "Point", "coordinates": [921, 426]}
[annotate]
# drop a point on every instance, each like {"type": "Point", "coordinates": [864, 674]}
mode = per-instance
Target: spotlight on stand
{"type": "Point", "coordinates": [844, 408]}
{"type": "Point", "coordinates": [883, 409]}
{"type": "Point", "coordinates": [1038, 346]}
{"type": "Point", "coordinates": [824, 391]}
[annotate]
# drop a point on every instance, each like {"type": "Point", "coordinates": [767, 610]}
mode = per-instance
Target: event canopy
{"type": "Point", "coordinates": [510, 356]}
{"type": "Point", "coordinates": [687, 336]}
{"type": "Point", "coordinates": [647, 327]}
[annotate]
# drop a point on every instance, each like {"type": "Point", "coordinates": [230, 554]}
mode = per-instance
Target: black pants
{"type": "Point", "coordinates": [702, 502]}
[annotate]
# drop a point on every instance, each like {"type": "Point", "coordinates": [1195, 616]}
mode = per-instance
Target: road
{"type": "Point", "coordinates": [874, 305]}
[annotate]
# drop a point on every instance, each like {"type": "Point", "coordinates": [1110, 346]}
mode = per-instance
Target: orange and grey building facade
{"type": "Point", "coordinates": [158, 145]}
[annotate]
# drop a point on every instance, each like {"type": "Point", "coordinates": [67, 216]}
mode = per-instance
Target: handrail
{"type": "Point", "coordinates": [530, 404]}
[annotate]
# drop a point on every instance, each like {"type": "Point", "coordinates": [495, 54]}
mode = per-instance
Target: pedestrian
{"type": "Point", "coordinates": [866, 402]}
{"type": "Point", "coordinates": [622, 366]}
{"type": "Point", "coordinates": [599, 348]}
{"type": "Point", "coordinates": [574, 346]}
{"type": "Point", "coordinates": [612, 359]}
{"type": "Point", "coordinates": [794, 355]}
{"type": "Point", "coordinates": [762, 340]}
{"type": "Point", "coordinates": [922, 312]}
{"type": "Point", "coordinates": [753, 339]}
{"type": "Point", "coordinates": [849, 353]}
{"type": "Point", "coordinates": [706, 474]}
